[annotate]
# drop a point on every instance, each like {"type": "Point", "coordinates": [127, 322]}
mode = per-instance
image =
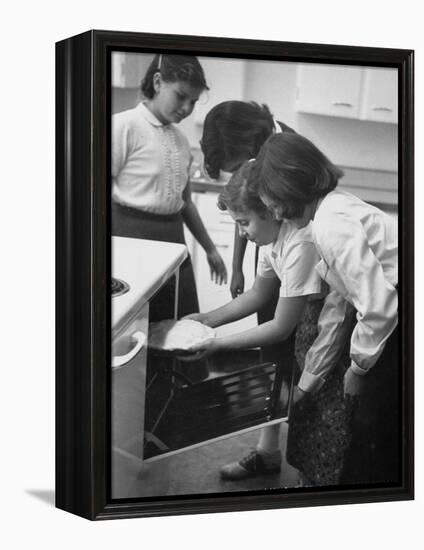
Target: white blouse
{"type": "Point", "coordinates": [292, 258]}
{"type": "Point", "coordinates": [358, 246]}
{"type": "Point", "coordinates": [150, 162]}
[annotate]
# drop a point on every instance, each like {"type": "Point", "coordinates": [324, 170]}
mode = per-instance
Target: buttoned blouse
{"type": "Point", "coordinates": [358, 248]}
{"type": "Point", "coordinates": [292, 258]}
{"type": "Point", "coordinates": [150, 162]}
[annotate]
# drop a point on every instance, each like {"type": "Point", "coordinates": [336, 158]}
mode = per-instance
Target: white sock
{"type": "Point", "coordinates": [269, 439]}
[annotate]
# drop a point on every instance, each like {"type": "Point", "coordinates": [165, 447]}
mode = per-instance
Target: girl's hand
{"type": "Point", "coordinates": [298, 395]}
{"type": "Point", "coordinates": [353, 383]}
{"type": "Point", "coordinates": [217, 267]}
{"type": "Point", "coordinates": [199, 317]}
{"type": "Point", "coordinates": [207, 347]}
{"type": "Point", "coordinates": [237, 283]}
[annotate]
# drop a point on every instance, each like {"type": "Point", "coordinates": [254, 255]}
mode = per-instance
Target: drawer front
{"type": "Point", "coordinates": [213, 218]}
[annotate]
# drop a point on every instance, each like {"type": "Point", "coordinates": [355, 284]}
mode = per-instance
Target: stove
{"type": "Point", "coordinates": [119, 287]}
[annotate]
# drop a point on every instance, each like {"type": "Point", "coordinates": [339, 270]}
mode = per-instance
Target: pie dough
{"type": "Point", "coordinates": [173, 335]}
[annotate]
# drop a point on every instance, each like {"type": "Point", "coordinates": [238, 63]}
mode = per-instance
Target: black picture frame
{"type": "Point", "coordinates": [83, 270]}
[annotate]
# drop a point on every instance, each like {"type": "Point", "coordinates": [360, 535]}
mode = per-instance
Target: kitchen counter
{"type": "Point", "coordinates": [145, 265]}
{"type": "Point", "coordinates": [202, 185]}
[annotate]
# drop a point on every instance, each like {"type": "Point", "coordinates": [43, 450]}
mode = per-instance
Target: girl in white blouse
{"type": "Point", "coordinates": [287, 258]}
{"type": "Point", "coordinates": [150, 169]}
{"type": "Point", "coordinates": [358, 247]}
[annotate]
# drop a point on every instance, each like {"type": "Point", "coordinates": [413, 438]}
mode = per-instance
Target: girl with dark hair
{"type": "Point", "coordinates": [358, 247]}
{"type": "Point", "coordinates": [150, 169]}
{"type": "Point", "coordinates": [234, 132]}
{"type": "Point", "coordinates": [286, 265]}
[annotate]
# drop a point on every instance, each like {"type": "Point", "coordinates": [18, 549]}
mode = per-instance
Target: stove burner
{"type": "Point", "coordinates": [119, 287]}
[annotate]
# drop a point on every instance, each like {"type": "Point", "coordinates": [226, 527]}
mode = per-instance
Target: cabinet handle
{"type": "Point", "coordinates": [121, 360]}
{"type": "Point", "coordinates": [342, 104]}
{"type": "Point", "coordinates": [222, 245]}
{"type": "Point", "coordinates": [385, 109]}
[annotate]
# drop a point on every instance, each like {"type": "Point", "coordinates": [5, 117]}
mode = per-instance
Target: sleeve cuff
{"type": "Point", "coordinates": [357, 370]}
{"type": "Point", "coordinates": [310, 382]}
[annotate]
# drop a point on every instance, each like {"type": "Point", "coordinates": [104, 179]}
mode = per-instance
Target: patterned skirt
{"type": "Point", "coordinates": [320, 424]}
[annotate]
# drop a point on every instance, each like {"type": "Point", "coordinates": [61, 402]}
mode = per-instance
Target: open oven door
{"type": "Point", "coordinates": [181, 415]}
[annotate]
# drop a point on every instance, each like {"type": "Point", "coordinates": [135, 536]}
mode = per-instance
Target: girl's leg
{"type": "Point", "coordinates": [269, 439]}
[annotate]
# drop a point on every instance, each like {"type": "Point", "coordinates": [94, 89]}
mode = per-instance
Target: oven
{"type": "Point", "coordinates": [156, 408]}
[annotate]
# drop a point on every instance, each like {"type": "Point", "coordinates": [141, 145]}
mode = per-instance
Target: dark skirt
{"type": "Point", "coordinates": [337, 440]}
{"type": "Point", "coordinates": [320, 424]}
{"type": "Point", "coordinates": [129, 222]}
{"type": "Point", "coordinates": [375, 449]}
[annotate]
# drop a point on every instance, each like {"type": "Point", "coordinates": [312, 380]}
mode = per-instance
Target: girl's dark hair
{"type": "Point", "coordinates": [240, 194]}
{"type": "Point", "coordinates": [234, 130]}
{"type": "Point", "coordinates": [173, 68]}
{"type": "Point", "coordinates": [293, 172]}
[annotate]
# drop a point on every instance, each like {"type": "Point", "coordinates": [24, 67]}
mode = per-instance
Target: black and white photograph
{"type": "Point", "coordinates": [212, 227]}
{"type": "Point", "coordinates": [255, 276]}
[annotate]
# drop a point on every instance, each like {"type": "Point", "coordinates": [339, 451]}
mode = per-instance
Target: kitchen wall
{"type": "Point", "coordinates": [367, 151]}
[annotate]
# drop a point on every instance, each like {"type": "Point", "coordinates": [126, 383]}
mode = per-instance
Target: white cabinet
{"type": "Point", "coordinates": [128, 69]}
{"type": "Point", "coordinates": [329, 90]}
{"type": "Point", "coordinates": [380, 95]}
{"type": "Point", "coordinates": [221, 230]}
{"type": "Point", "coordinates": [361, 93]}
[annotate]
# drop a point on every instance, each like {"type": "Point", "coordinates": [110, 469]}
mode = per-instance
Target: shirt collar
{"type": "Point", "coordinates": [148, 115]}
{"type": "Point", "coordinates": [275, 246]}
{"type": "Point", "coordinates": [277, 127]}
{"type": "Point", "coordinates": [285, 233]}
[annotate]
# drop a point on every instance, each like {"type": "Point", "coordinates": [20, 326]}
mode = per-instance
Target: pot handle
{"type": "Point", "coordinates": [120, 360]}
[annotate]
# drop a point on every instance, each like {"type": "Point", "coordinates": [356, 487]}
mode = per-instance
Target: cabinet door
{"type": "Point", "coordinates": [220, 227]}
{"type": "Point", "coordinates": [329, 90]}
{"type": "Point", "coordinates": [380, 97]}
{"type": "Point", "coordinates": [212, 295]}
{"type": "Point", "coordinates": [213, 218]}
{"type": "Point", "coordinates": [128, 69]}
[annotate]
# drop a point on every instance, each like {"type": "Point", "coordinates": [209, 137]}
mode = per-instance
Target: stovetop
{"type": "Point", "coordinates": [119, 287]}
{"type": "Point", "coordinates": [144, 266]}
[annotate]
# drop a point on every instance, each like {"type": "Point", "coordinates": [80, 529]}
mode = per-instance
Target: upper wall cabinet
{"type": "Point", "coordinates": [380, 95]}
{"type": "Point", "coordinates": [348, 92]}
{"type": "Point", "coordinates": [128, 69]}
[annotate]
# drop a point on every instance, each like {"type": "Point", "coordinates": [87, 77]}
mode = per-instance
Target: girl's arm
{"type": "Point", "coordinates": [346, 250]}
{"type": "Point", "coordinates": [287, 315]}
{"type": "Point", "coordinates": [237, 277]}
{"type": "Point", "coordinates": [194, 223]}
{"type": "Point", "coordinates": [246, 304]}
